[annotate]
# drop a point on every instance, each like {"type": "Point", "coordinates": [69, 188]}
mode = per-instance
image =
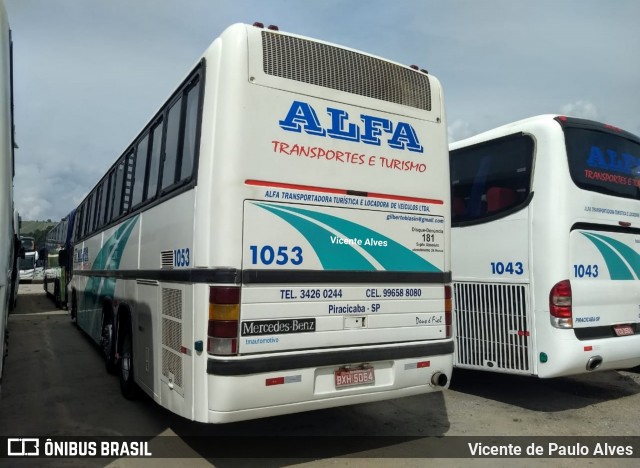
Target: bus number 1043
{"type": "Point", "coordinates": [582, 271]}
{"type": "Point", "coordinates": [508, 268]}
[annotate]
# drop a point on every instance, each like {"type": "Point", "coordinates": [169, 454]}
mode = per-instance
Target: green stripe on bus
{"type": "Point", "coordinates": [631, 256]}
{"type": "Point", "coordinates": [618, 270]}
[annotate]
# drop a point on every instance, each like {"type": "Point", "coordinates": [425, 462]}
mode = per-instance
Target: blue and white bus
{"type": "Point", "coordinates": [546, 247]}
{"type": "Point", "coordinates": [276, 238]}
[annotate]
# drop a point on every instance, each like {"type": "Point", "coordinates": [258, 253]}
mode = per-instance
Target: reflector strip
{"type": "Point", "coordinates": [274, 381]}
{"type": "Point", "coordinates": [283, 380]}
{"type": "Point", "coordinates": [588, 348]}
{"type": "Point", "coordinates": [309, 188]}
{"type": "Point", "coordinates": [417, 365]}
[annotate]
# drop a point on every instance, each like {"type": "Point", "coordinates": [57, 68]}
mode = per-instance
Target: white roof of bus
{"type": "Point", "coordinates": [502, 130]}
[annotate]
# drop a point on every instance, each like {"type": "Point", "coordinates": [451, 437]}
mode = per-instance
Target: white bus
{"type": "Point", "coordinates": [546, 242]}
{"type": "Point", "coordinates": [276, 239]}
{"type": "Point", "coordinates": [8, 245]}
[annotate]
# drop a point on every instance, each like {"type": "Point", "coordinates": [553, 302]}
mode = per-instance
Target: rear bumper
{"type": "Point", "coordinates": [570, 358]}
{"type": "Point", "coordinates": [238, 398]}
{"type": "Point", "coordinates": [319, 358]}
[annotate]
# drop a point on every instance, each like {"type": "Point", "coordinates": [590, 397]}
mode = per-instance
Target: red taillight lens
{"type": "Point", "coordinates": [560, 305]}
{"type": "Point", "coordinates": [223, 328]}
{"type": "Point", "coordinates": [447, 310]}
{"type": "Point", "coordinates": [224, 295]}
{"type": "Point", "coordinates": [224, 316]}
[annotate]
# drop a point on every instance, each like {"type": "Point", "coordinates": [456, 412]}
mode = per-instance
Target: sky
{"type": "Point", "coordinates": [89, 74]}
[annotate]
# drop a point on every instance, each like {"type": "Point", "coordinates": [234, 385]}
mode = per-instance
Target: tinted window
{"type": "Point", "coordinates": [604, 162]}
{"type": "Point", "coordinates": [96, 219]}
{"type": "Point", "coordinates": [490, 178]}
{"type": "Point", "coordinates": [190, 127]}
{"type": "Point", "coordinates": [141, 169]}
{"type": "Point", "coordinates": [154, 164]}
{"type": "Point", "coordinates": [171, 145]}
{"type": "Point", "coordinates": [117, 191]}
{"type": "Point", "coordinates": [78, 222]}
{"type": "Point", "coordinates": [103, 202]}
{"type": "Point", "coordinates": [89, 215]}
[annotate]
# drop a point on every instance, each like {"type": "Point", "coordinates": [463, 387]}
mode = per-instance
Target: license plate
{"type": "Point", "coordinates": [356, 376]}
{"type": "Point", "coordinates": [623, 330]}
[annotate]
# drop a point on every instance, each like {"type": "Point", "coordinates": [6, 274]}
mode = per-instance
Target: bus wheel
{"type": "Point", "coordinates": [106, 343]}
{"type": "Point", "coordinates": [128, 386]}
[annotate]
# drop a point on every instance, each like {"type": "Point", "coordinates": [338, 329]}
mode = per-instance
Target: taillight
{"type": "Point", "coordinates": [224, 315]}
{"type": "Point", "coordinates": [447, 310]}
{"type": "Point", "coordinates": [560, 305]}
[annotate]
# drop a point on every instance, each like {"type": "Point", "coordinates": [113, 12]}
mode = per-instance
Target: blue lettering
{"type": "Point", "coordinates": [373, 127]}
{"type": "Point", "coordinates": [596, 158]}
{"type": "Point", "coordinates": [615, 164]}
{"type": "Point", "coordinates": [302, 115]}
{"type": "Point", "coordinates": [352, 133]}
{"type": "Point", "coordinates": [405, 135]}
{"type": "Point", "coordinates": [625, 164]}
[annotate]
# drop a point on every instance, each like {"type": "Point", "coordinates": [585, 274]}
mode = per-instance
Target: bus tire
{"type": "Point", "coordinates": [107, 342]}
{"type": "Point", "coordinates": [128, 385]}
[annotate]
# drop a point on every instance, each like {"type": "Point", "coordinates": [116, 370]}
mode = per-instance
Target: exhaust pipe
{"type": "Point", "coordinates": [439, 379]}
{"type": "Point", "coordinates": [594, 362]}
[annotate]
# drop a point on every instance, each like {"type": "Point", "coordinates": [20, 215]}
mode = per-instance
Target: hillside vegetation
{"type": "Point", "coordinates": [37, 230]}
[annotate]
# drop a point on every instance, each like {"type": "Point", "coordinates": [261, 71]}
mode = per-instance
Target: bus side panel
{"type": "Point", "coordinates": [163, 314]}
{"type": "Point", "coordinates": [605, 269]}
{"type": "Point", "coordinates": [491, 273]}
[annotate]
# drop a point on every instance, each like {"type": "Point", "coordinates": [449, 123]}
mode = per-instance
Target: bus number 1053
{"type": "Point", "coordinates": [281, 255]}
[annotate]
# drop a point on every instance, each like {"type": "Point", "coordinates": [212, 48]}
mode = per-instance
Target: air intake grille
{"type": "Point", "coordinates": [172, 335]}
{"type": "Point", "coordinates": [492, 330]}
{"type": "Point", "coordinates": [332, 67]}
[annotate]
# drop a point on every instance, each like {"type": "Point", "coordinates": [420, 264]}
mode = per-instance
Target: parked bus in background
{"type": "Point", "coordinates": [276, 239]}
{"type": "Point", "coordinates": [546, 247]}
{"type": "Point", "coordinates": [28, 266]}
{"type": "Point", "coordinates": [57, 270]}
{"type": "Point", "coordinates": [8, 250]}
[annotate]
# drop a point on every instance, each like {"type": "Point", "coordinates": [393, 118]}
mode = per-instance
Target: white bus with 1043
{"type": "Point", "coordinates": [546, 247]}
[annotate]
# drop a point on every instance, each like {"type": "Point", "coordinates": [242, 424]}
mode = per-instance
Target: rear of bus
{"type": "Point", "coordinates": [597, 303]}
{"type": "Point", "coordinates": [546, 244]}
{"type": "Point", "coordinates": [327, 201]}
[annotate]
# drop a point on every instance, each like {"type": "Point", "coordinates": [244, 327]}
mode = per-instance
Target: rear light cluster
{"type": "Point", "coordinates": [560, 305]}
{"type": "Point", "coordinates": [447, 310]}
{"type": "Point", "coordinates": [224, 315]}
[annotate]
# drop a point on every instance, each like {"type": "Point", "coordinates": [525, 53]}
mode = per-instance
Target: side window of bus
{"type": "Point", "coordinates": [127, 183]}
{"type": "Point", "coordinates": [171, 144]}
{"type": "Point", "coordinates": [89, 214]}
{"type": "Point", "coordinates": [104, 188]}
{"type": "Point", "coordinates": [140, 172]}
{"type": "Point", "coordinates": [190, 130]}
{"type": "Point", "coordinates": [154, 160]}
{"type": "Point", "coordinates": [490, 178]}
{"type": "Point", "coordinates": [78, 223]}
{"type": "Point", "coordinates": [116, 207]}
{"type": "Point", "coordinates": [95, 225]}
